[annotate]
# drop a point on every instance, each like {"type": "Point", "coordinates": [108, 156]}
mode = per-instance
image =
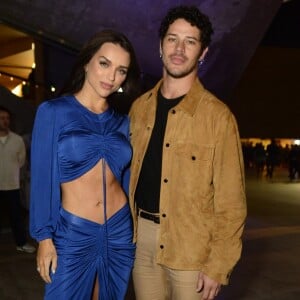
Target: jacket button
{"type": "Point", "coordinates": [193, 157]}
{"type": "Point", "coordinates": [161, 246]}
{"type": "Point", "coordinates": [167, 145]}
{"type": "Point", "coordinates": [173, 111]}
{"type": "Point", "coordinates": [163, 215]}
{"type": "Point", "coordinates": [148, 127]}
{"type": "Point", "coordinates": [165, 180]}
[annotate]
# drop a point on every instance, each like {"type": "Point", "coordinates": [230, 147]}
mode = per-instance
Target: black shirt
{"type": "Point", "coordinates": [147, 193]}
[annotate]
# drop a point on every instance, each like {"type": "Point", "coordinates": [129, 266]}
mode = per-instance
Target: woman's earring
{"type": "Point", "coordinates": [120, 90]}
{"type": "Point", "coordinates": [160, 55]}
{"type": "Point", "coordinates": [200, 62]}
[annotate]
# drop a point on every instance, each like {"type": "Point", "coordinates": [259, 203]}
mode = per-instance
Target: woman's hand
{"type": "Point", "coordinates": [46, 259]}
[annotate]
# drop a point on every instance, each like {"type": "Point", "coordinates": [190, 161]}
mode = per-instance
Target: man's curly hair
{"type": "Point", "coordinates": [192, 15]}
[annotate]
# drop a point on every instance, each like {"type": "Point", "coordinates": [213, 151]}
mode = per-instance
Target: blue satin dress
{"type": "Point", "coordinates": [68, 140]}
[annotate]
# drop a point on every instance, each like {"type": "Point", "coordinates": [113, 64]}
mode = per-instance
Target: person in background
{"type": "Point", "coordinates": [187, 189]}
{"type": "Point", "coordinates": [294, 162]}
{"type": "Point", "coordinates": [80, 157]}
{"type": "Point", "coordinates": [272, 158]}
{"type": "Point", "coordinates": [12, 158]}
{"type": "Point", "coordinates": [259, 158]}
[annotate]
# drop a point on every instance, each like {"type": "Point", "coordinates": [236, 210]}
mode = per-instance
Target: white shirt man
{"type": "Point", "coordinates": [12, 158]}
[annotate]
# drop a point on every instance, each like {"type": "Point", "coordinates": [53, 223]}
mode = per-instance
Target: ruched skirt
{"type": "Point", "coordinates": [87, 250]}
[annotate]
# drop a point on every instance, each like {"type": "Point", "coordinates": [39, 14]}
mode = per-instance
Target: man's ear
{"type": "Point", "coordinates": [160, 50]}
{"type": "Point", "coordinates": [202, 56]}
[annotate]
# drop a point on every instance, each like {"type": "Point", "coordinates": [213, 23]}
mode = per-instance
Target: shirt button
{"type": "Point", "coordinates": [148, 127]}
{"type": "Point", "coordinates": [165, 180]}
{"type": "Point", "coordinates": [161, 246]}
{"type": "Point", "coordinates": [167, 145]}
{"type": "Point", "coordinates": [173, 111]}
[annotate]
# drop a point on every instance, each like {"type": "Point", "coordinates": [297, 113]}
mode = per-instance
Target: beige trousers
{"type": "Point", "coordinates": [156, 282]}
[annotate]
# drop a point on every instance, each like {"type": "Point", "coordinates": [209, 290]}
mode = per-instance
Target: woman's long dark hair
{"type": "Point", "coordinates": [77, 76]}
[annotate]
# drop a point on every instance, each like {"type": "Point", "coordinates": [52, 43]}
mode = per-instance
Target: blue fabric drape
{"type": "Point", "coordinates": [86, 251]}
{"type": "Point", "coordinates": [67, 141]}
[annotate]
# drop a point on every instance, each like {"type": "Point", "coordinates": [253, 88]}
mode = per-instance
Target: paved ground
{"type": "Point", "coordinates": [270, 264]}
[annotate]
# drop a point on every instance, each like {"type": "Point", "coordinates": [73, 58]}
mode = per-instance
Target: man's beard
{"type": "Point", "coordinates": [181, 73]}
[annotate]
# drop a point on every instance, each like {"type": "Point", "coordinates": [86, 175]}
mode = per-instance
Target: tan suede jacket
{"type": "Point", "coordinates": [202, 200]}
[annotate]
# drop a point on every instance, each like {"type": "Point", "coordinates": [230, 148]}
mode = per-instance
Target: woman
{"type": "Point", "coordinates": [80, 156]}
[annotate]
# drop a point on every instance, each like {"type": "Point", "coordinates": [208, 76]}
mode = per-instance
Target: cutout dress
{"type": "Point", "coordinates": [69, 140]}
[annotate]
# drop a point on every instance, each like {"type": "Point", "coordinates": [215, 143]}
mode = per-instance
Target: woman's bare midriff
{"type": "Point", "coordinates": [84, 196]}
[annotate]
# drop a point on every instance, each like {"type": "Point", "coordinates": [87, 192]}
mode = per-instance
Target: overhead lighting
{"type": "Point", "coordinates": [18, 90]}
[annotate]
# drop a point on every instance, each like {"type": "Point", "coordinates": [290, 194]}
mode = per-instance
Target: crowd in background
{"type": "Point", "coordinates": [265, 158]}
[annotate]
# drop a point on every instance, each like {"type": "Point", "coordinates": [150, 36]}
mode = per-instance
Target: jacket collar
{"type": "Point", "coordinates": [190, 101]}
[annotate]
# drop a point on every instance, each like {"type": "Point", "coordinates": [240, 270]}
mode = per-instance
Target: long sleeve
{"type": "Point", "coordinates": [229, 201]}
{"type": "Point", "coordinates": [45, 189]}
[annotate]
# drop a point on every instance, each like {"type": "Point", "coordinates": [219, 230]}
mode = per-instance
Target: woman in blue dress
{"type": "Point", "coordinates": [79, 178]}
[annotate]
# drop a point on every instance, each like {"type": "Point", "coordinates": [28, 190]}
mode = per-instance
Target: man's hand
{"type": "Point", "coordinates": [46, 259]}
{"type": "Point", "coordinates": [208, 287]}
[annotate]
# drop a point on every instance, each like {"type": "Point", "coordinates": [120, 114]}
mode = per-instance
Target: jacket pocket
{"type": "Point", "coordinates": [194, 152]}
{"type": "Point", "coordinates": [194, 166]}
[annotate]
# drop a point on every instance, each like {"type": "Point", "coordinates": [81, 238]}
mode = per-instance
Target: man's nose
{"type": "Point", "coordinates": [180, 46]}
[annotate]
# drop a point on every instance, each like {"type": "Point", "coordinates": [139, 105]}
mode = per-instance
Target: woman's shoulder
{"type": "Point", "coordinates": [56, 102]}
{"type": "Point", "coordinates": [56, 105]}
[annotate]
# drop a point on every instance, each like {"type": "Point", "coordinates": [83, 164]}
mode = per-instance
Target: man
{"type": "Point", "coordinates": [272, 158]}
{"type": "Point", "coordinates": [187, 191]}
{"type": "Point", "coordinates": [12, 158]}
